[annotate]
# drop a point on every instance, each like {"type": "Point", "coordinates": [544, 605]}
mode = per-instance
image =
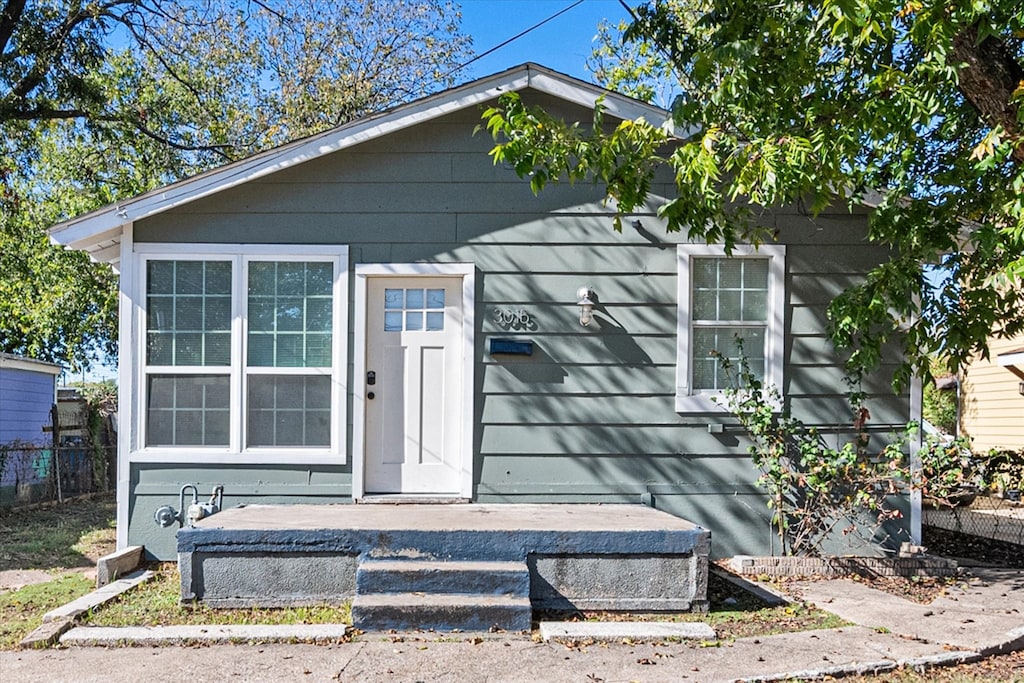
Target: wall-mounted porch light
{"type": "Point", "coordinates": [586, 304]}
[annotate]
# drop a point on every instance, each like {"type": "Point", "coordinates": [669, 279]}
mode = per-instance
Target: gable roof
{"type": "Point", "coordinates": [99, 232]}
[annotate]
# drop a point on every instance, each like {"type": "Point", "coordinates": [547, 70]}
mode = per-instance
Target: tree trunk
{"type": "Point", "coordinates": [988, 76]}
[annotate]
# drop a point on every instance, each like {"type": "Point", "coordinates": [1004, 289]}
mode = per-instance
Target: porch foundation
{"type": "Point", "coordinates": [607, 557]}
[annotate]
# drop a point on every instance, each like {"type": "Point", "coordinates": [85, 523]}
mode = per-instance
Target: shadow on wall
{"type": "Point", "coordinates": [617, 339]}
{"type": "Point", "coordinates": [540, 368]}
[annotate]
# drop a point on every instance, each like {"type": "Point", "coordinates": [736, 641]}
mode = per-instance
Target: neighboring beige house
{"type": "Point", "coordinates": [992, 397]}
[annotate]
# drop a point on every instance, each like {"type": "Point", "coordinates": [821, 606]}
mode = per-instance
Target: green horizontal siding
{"type": "Point", "coordinates": [590, 416]}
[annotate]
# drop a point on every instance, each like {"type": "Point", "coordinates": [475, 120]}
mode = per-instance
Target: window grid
{"type": "Point", "coordinates": [188, 313]}
{"type": "Point", "coordinates": [413, 309]}
{"type": "Point", "coordinates": [289, 411]}
{"type": "Point", "coordinates": [729, 301]}
{"type": "Point", "coordinates": [185, 286]}
{"type": "Point", "coordinates": [289, 314]}
{"type": "Point", "coordinates": [189, 410]}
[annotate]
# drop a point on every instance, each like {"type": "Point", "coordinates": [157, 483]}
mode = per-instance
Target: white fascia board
{"type": "Point", "coordinates": [1011, 358]}
{"type": "Point", "coordinates": [106, 223]}
{"type": "Point", "coordinates": [618, 106]}
{"type": "Point", "coordinates": [13, 362]}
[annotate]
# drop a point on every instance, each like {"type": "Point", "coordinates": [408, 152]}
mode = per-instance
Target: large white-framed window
{"type": "Point", "coordinates": [241, 353]}
{"type": "Point", "coordinates": [721, 298]}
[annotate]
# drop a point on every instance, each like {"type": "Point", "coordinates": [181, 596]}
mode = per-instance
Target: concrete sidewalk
{"type": "Point", "coordinates": [509, 659]}
{"type": "Point", "coordinates": [984, 613]}
{"type": "Point", "coordinates": [964, 625]}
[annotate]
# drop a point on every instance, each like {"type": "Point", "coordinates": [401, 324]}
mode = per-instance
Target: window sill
{"type": "Point", "coordinates": [709, 403]}
{"type": "Point", "coordinates": [200, 456]}
{"type": "Point", "coordinates": [700, 403]}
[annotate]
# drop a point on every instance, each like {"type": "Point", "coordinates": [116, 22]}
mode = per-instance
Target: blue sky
{"type": "Point", "coordinates": [563, 44]}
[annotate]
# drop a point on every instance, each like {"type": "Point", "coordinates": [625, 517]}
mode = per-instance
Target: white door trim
{"type": "Point", "coordinates": [467, 271]}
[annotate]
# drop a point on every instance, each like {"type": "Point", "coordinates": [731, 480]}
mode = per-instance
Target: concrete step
{"type": "Point", "coordinates": [429, 611]}
{"type": "Point", "coordinates": [451, 577]}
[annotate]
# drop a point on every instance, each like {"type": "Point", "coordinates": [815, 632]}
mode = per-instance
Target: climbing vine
{"type": "Point", "coordinates": [815, 486]}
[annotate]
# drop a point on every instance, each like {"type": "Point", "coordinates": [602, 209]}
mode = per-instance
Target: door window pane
{"type": "Point", "coordinates": [413, 298]}
{"type": "Point", "coordinates": [435, 298]}
{"type": "Point", "coordinates": [418, 305]}
{"type": "Point", "coordinates": [394, 298]}
{"type": "Point", "coordinates": [435, 321]}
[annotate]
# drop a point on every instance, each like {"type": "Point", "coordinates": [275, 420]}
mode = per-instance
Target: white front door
{"type": "Point", "coordinates": [413, 385]}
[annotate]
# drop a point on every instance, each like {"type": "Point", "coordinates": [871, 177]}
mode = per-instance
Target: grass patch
{"type": "Point", "coordinates": [156, 603]}
{"type": "Point", "coordinates": [75, 534]}
{"type": "Point", "coordinates": [22, 611]}
{"type": "Point", "coordinates": [770, 621]}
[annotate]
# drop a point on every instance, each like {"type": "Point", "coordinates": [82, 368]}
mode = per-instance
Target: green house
{"type": "Point", "coordinates": [379, 311]}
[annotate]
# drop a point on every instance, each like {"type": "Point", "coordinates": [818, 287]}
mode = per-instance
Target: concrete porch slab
{"type": "Point", "coordinates": [449, 517]}
{"type": "Point", "coordinates": [612, 557]}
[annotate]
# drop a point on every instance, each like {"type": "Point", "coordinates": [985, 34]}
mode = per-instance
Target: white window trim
{"type": "Point", "coordinates": [467, 271]}
{"type": "Point", "coordinates": [686, 400]}
{"type": "Point", "coordinates": [240, 255]}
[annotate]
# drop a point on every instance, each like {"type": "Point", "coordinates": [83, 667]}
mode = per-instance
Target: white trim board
{"type": "Point", "coordinates": [363, 271]}
{"type": "Point", "coordinates": [689, 402]}
{"type": "Point", "coordinates": [1011, 358]}
{"type": "Point", "coordinates": [126, 383]}
{"type": "Point", "coordinates": [133, 369]}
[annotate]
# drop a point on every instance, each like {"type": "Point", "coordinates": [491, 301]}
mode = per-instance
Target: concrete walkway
{"type": "Point", "coordinates": [964, 625]}
{"type": "Point", "coordinates": [985, 614]}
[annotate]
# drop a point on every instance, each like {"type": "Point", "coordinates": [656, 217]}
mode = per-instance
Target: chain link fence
{"type": "Point", "coordinates": [33, 474]}
{"type": "Point", "coordinates": [990, 517]}
{"type": "Point", "coordinates": [77, 456]}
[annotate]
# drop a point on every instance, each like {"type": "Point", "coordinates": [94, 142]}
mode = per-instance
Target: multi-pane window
{"type": "Point", "coordinates": [289, 410]}
{"type": "Point", "coordinates": [240, 352]}
{"type": "Point", "coordinates": [730, 302]}
{"type": "Point", "coordinates": [188, 329]}
{"type": "Point", "coordinates": [723, 299]}
{"type": "Point", "coordinates": [188, 410]}
{"type": "Point", "coordinates": [289, 315]}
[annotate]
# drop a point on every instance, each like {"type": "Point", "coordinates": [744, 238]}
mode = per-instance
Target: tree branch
{"type": "Point", "coordinates": [45, 114]}
{"type": "Point", "coordinates": [989, 74]}
{"type": "Point", "coordinates": [216, 149]}
{"type": "Point", "coordinates": [9, 17]}
{"type": "Point", "coordinates": [42, 114]}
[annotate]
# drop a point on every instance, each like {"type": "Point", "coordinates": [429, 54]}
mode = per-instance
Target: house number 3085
{"type": "Point", "coordinates": [509, 319]}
